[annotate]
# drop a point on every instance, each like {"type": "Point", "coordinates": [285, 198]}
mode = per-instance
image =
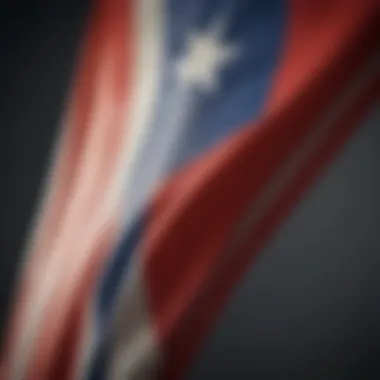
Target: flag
{"type": "Point", "coordinates": [192, 128]}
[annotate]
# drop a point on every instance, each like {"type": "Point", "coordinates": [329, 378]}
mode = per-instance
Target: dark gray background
{"type": "Point", "coordinates": [310, 307]}
{"type": "Point", "coordinates": [37, 49]}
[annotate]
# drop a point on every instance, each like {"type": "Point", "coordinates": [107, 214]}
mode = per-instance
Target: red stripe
{"type": "Point", "coordinates": [197, 211]}
{"type": "Point", "coordinates": [117, 40]}
{"type": "Point", "coordinates": [58, 194]}
{"type": "Point", "coordinates": [109, 41]}
{"type": "Point", "coordinates": [44, 362]}
{"type": "Point", "coordinates": [191, 331]}
{"type": "Point", "coordinates": [123, 36]}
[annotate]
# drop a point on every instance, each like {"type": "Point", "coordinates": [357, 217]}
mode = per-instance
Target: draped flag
{"type": "Point", "coordinates": [191, 130]}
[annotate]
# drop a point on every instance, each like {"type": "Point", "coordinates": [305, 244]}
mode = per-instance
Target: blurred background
{"type": "Point", "coordinates": [309, 309]}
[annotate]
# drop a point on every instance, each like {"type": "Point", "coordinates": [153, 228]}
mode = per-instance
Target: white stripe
{"type": "Point", "coordinates": [150, 50]}
{"type": "Point", "coordinates": [134, 353]}
{"type": "Point", "coordinates": [149, 45]}
{"type": "Point", "coordinates": [134, 350]}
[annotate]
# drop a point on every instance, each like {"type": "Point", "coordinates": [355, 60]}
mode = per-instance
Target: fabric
{"type": "Point", "coordinates": [191, 130]}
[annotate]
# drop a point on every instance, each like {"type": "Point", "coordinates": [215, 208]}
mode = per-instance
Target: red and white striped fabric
{"type": "Point", "coordinates": [192, 128]}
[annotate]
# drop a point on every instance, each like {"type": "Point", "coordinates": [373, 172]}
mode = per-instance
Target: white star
{"type": "Point", "coordinates": [205, 55]}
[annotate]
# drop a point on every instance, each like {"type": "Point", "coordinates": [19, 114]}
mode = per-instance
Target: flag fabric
{"type": "Point", "coordinates": [192, 128]}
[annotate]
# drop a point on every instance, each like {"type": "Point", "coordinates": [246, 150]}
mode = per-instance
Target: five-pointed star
{"type": "Point", "coordinates": [205, 55]}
